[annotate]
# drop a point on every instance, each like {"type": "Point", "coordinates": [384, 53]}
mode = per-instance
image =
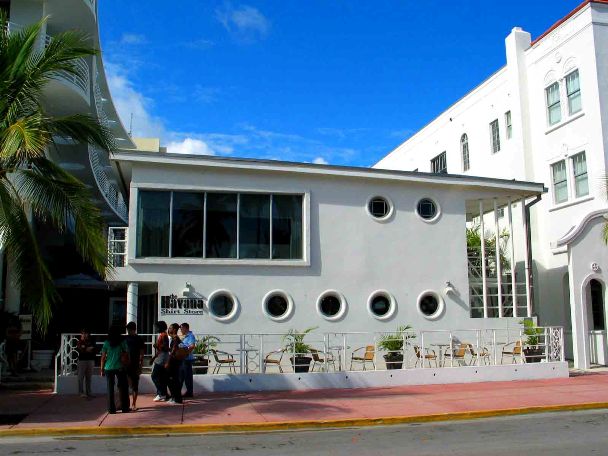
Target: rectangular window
{"type": "Point", "coordinates": [439, 164]}
{"type": "Point", "coordinates": [508, 124]}
{"type": "Point", "coordinates": [579, 170]}
{"type": "Point", "coordinates": [153, 217]}
{"type": "Point", "coordinates": [554, 109]}
{"type": "Point", "coordinates": [187, 224]}
{"type": "Point", "coordinates": [560, 182]}
{"type": "Point", "coordinates": [221, 225]}
{"type": "Point", "coordinates": [287, 227]}
{"type": "Point", "coordinates": [254, 226]}
{"type": "Point", "coordinates": [573, 90]}
{"type": "Point", "coordinates": [495, 136]}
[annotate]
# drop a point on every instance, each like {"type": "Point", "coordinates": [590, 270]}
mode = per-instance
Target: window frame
{"type": "Point", "coordinates": [565, 180]}
{"type": "Point", "coordinates": [569, 95]}
{"type": "Point", "coordinates": [575, 176]}
{"type": "Point", "coordinates": [508, 125]}
{"type": "Point", "coordinates": [290, 305]}
{"type": "Point", "coordinates": [304, 261]}
{"type": "Point", "coordinates": [495, 136]}
{"type": "Point", "coordinates": [465, 153]}
{"type": "Point", "coordinates": [554, 104]}
{"type": "Point", "coordinates": [392, 305]}
{"type": "Point", "coordinates": [440, 304]}
{"type": "Point", "coordinates": [235, 305]}
{"type": "Point", "coordinates": [343, 305]}
{"type": "Point", "coordinates": [437, 161]}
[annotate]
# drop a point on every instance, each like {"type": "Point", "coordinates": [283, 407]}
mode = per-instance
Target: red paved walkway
{"type": "Point", "coordinates": [47, 410]}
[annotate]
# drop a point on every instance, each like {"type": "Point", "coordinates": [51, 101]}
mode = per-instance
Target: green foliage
{"type": "Point", "coordinates": [394, 342]}
{"type": "Point", "coordinates": [205, 344]}
{"type": "Point", "coordinates": [473, 235]}
{"type": "Point", "coordinates": [532, 331]}
{"type": "Point", "coordinates": [29, 181]}
{"type": "Point", "coordinates": [294, 341]}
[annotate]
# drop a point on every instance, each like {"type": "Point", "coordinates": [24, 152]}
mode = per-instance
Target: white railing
{"type": "Point", "coordinates": [109, 191]}
{"type": "Point", "coordinates": [103, 118]}
{"type": "Point", "coordinates": [357, 351]}
{"type": "Point", "coordinates": [117, 246]}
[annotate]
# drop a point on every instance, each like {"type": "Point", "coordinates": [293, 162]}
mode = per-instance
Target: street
{"type": "Point", "coordinates": [565, 433]}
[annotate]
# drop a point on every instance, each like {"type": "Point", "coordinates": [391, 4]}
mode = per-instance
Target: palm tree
{"type": "Point", "coordinates": [31, 185]}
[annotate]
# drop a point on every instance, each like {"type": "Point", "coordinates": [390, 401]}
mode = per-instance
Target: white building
{"type": "Point", "coordinates": [543, 117]}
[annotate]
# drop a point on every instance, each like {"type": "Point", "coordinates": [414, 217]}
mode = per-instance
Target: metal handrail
{"type": "Point", "coordinates": [109, 191]}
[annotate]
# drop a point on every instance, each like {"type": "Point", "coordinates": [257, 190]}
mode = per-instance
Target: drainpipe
{"type": "Point", "coordinates": [529, 276]}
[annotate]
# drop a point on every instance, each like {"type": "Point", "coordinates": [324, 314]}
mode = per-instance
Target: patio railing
{"type": "Point", "coordinates": [356, 351]}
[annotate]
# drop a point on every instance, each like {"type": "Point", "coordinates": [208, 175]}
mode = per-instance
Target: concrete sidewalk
{"type": "Point", "coordinates": [49, 414]}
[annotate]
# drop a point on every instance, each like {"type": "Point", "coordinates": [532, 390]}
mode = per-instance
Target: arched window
{"type": "Point", "coordinates": [464, 149]}
{"type": "Point", "coordinates": [597, 305]}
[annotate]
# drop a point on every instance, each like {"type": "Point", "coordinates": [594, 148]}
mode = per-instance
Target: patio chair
{"type": "Point", "coordinates": [429, 355]}
{"type": "Point", "coordinates": [483, 353]}
{"type": "Point", "coordinates": [513, 352]}
{"type": "Point", "coordinates": [368, 357]}
{"type": "Point", "coordinates": [269, 360]}
{"type": "Point", "coordinates": [316, 359]}
{"type": "Point", "coordinates": [458, 353]}
{"type": "Point", "coordinates": [226, 360]}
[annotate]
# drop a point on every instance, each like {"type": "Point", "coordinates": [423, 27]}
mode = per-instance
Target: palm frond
{"type": "Point", "coordinates": [82, 128]}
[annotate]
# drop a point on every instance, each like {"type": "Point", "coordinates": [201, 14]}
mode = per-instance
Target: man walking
{"type": "Point", "coordinates": [185, 375]}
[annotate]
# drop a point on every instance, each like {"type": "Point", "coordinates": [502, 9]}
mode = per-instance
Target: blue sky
{"type": "Point", "coordinates": [340, 82]}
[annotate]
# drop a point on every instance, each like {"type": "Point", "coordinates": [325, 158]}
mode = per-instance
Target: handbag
{"type": "Point", "coordinates": [181, 353]}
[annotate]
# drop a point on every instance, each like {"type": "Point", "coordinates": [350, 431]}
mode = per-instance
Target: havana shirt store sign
{"type": "Point", "coordinates": [174, 305]}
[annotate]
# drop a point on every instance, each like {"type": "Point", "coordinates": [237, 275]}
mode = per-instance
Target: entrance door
{"type": "Point", "coordinates": [118, 311]}
{"type": "Point", "coordinates": [597, 322]}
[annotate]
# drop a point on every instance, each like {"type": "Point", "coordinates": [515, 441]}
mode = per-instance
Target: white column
{"type": "Point", "coordinates": [580, 329]}
{"type": "Point", "coordinates": [132, 293]}
{"type": "Point", "coordinates": [483, 260]}
{"type": "Point", "coordinates": [498, 265]}
{"type": "Point", "coordinates": [527, 257]}
{"type": "Point", "coordinates": [513, 279]}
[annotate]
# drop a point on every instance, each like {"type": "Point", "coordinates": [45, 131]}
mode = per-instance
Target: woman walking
{"type": "Point", "coordinates": [114, 358]}
{"type": "Point", "coordinates": [174, 364]}
{"type": "Point", "coordinates": [159, 361]}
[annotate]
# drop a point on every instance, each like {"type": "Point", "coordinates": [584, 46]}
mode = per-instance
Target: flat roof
{"type": "Point", "coordinates": [124, 161]}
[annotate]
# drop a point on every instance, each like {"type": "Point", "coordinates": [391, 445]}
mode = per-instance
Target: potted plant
{"type": "Point", "coordinates": [393, 344]}
{"type": "Point", "coordinates": [294, 344]}
{"type": "Point", "coordinates": [201, 351]}
{"type": "Point", "coordinates": [532, 351]}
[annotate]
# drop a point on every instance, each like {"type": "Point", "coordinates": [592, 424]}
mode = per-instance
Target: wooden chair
{"type": "Point", "coordinates": [227, 360]}
{"type": "Point", "coordinates": [483, 353]}
{"type": "Point", "coordinates": [316, 359]}
{"type": "Point", "coordinates": [270, 361]}
{"type": "Point", "coordinates": [458, 353]}
{"type": "Point", "coordinates": [513, 352]}
{"type": "Point", "coordinates": [429, 355]}
{"type": "Point", "coordinates": [368, 357]}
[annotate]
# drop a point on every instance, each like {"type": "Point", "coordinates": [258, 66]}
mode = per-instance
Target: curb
{"type": "Point", "coordinates": [288, 425]}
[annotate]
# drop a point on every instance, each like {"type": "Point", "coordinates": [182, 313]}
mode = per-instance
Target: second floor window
{"type": "Point", "coordinates": [508, 124]}
{"type": "Point", "coordinates": [579, 171]}
{"type": "Point", "coordinates": [495, 136]}
{"type": "Point", "coordinates": [573, 91]}
{"type": "Point", "coordinates": [560, 182]}
{"type": "Point", "coordinates": [554, 110]}
{"type": "Point", "coordinates": [464, 149]}
{"type": "Point", "coordinates": [439, 164]}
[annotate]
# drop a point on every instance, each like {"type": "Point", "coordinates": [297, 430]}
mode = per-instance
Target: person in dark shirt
{"type": "Point", "coordinates": [174, 365]}
{"type": "Point", "coordinates": [136, 360]}
{"type": "Point", "coordinates": [86, 362]}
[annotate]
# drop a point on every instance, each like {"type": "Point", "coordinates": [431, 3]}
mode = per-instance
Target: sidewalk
{"type": "Point", "coordinates": [50, 414]}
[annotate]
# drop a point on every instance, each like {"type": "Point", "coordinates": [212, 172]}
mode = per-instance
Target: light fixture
{"type": "Point", "coordinates": [186, 291]}
{"type": "Point", "coordinates": [449, 288]}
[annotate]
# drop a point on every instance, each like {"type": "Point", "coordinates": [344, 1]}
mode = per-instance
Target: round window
{"type": "Point", "coordinates": [379, 207]}
{"type": "Point", "coordinates": [222, 305]}
{"type": "Point", "coordinates": [430, 304]}
{"type": "Point", "coordinates": [427, 209]}
{"type": "Point", "coordinates": [331, 305]}
{"type": "Point", "coordinates": [381, 305]}
{"type": "Point", "coordinates": [278, 305]}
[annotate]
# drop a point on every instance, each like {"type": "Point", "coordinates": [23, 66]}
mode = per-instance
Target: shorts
{"type": "Point", "coordinates": [133, 376]}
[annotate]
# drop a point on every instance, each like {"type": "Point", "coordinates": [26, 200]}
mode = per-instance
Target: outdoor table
{"type": "Point", "coordinates": [443, 347]}
{"type": "Point", "coordinates": [246, 358]}
{"type": "Point", "coordinates": [339, 349]}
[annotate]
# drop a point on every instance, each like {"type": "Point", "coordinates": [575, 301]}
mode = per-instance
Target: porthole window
{"type": "Point", "coordinates": [381, 305]}
{"type": "Point", "coordinates": [430, 304]}
{"type": "Point", "coordinates": [380, 208]}
{"type": "Point", "coordinates": [427, 209]}
{"type": "Point", "coordinates": [331, 305]}
{"type": "Point", "coordinates": [222, 305]}
{"type": "Point", "coordinates": [278, 305]}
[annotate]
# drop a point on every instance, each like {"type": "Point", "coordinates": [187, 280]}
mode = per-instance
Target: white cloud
{"type": "Point", "coordinates": [190, 146]}
{"type": "Point", "coordinates": [132, 38]}
{"type": "Point", "coordinates": [320, 161]}
{"type": "Point", "coordinates": [128, 100]}
{"type": "Point", "coordinates": [245, 23]}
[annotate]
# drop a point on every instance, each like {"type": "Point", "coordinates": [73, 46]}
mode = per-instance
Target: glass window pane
{"type": "Point", "coordinates": [560, 183]}
{"type": "Point", "coordinates": [553, 103]}
{"type": "Point", "coordinates": [221, 225]}
{"type": "Point", "coordinates": [153, 224]}
{"type": "Point", "coordinates": [572, 83]}
{"type": "Point", "coordinates": [581, 181]}
{"type": "Point", "coordinates": [495, 136]}
{"type": "Point", "coordinates": [254, 226]}
{"type": "Point", "coordinates": [574, 103]}
{"type": "Point", "coordinates": [287, 227]}
{"type": "Point", "coordinates": [187, 224]}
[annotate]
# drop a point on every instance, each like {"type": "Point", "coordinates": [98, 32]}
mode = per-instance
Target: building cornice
{"type": "Point", "coordinates": [574, 232]}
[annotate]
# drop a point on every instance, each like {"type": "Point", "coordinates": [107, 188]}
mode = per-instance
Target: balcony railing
{"type": "Point", "coordinates": [117, 246]}
{"type": "Point", "coordinates": [109, 190]}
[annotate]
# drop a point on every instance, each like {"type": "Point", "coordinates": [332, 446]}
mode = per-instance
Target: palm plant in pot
{"type": "Point", "coordinates": [393, 345]}
{"type": "Point", "coordinates": [294, 344]}
{"type": "Point", "coordinates": [532, 351]}
{"type": "Point", "coordinates": [201, 351]}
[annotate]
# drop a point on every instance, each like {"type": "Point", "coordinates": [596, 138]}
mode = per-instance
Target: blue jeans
{"type": "Point", "coordinates": [160, 379]}
{"type": "Point", "coordinates": [185, 376]}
